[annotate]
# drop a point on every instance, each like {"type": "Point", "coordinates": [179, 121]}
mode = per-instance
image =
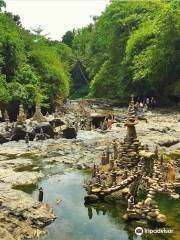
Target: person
{"type": "Point", "coordinates": [138, 111]}
{"type": "Point", "coordinates": [145, 108]}
{"type": "Point", "coordinates": [141, 106]}
{"type": "Point", "coordinates": [27, 138]}
{"type": "Point", "coordinates": [136, 108]}
{"type": "Point", "coordinates": [109, 123]}
{"type": "Point", "coordinates": [153, 102]}
{"type": "Point", "coordinates": [147, 101]}
{"type": "Point", "coordinates": [110, 118]}
{"type": "Point", "coordinates": [41, 194]}
{"type": "Point", "coordinates": [130, 202]}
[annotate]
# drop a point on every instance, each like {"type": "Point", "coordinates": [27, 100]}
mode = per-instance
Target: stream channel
{"type": "Point", "coordinates": [64, 191]}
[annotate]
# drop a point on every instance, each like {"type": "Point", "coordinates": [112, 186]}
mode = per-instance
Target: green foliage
{"type": "Point", "coordinates": [80, 92]}
{"type": "Point", "coordinates": [54, 79]}
{"type": "Point", "coordinates": [133, 47]}
{"type": "Point", "coordinates": [103, 84]}
{"type": "Point", "coordinates": [68, 38]}
{"type": "Point", "coordinates": [31, 69]}
{"type": "Point", "coordinates": [4, 93]}
{"type": "Point", "coordinates": [2, 4]}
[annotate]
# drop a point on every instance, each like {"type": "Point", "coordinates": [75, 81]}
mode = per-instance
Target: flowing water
{"type": "Point", "coordinates": [65, 193]}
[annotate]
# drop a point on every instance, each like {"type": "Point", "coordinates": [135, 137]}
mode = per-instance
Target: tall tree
{"type": "Point", "coordinates": [68, 38]}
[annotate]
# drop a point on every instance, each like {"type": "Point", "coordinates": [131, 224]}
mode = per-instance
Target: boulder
{"type": "Point", "coordinates": [91, 199]}
{"type": "Point", "coordinates": [56, 122]}
{"type": "Point", "coordinates": [134, 215]}
{"type": "Point", "coordinates": [3, 139]}
{"type": "Point", "coordinates": [19, 133]}
{"type": "Point", "coordinates": [69, 133]}
{"type": "Point", "coordinates": [46, 127]}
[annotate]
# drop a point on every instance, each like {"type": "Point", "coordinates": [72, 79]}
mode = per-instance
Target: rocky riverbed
{"type": "Point", "coordinates": [21, 164]}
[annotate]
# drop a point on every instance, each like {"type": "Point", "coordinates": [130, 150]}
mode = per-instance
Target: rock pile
{"type": "Point", "coordinates": [127, 167]}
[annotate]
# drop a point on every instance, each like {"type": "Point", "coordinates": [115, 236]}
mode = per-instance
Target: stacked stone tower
{"type": "Point", "coordinates": [38, 116]}
{"type": "Point", "coordinates": [21, 118]}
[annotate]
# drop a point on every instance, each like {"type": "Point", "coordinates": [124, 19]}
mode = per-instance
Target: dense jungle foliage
{"type": "Point", "coordinates": [132, 48]}
{"type": "Point", "coordinates": [31, 69]}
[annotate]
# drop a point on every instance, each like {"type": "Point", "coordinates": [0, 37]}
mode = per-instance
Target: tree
{"type": "Point", "coordinates": [2, 4]}
{"type": "Point", "coordinates": [132, 48]}
{"type": "Point", "coordinates": [31, 69]}
{"type": "Point", "coordinates": [68, 38]}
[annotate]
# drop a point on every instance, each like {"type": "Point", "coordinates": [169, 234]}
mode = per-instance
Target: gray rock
{"type": "Point", "coordinates": [168, 142]}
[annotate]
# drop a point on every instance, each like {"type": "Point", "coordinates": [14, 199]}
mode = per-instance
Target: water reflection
{"type": "Point", "coordinates": [98, 211]}
{"type": "Point", "coordinates": [90, 213]}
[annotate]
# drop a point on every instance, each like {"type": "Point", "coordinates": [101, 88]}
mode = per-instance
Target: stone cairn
{"type": "Point", "coordinates": [84, 113]}
{"type": "Point", "coordinates": [38, 116]}
{"type": "Point", "coordinates": [21, 118]}
{"type": "Point", "coordinates": [6, 116]}
{"type": "Point", "coordinates": [127, 168]}
{"type": "Point", "coordinates": [56, 114]}
{"type": "Point", "coordinates": [61, 107]}
{"type": "Point", "coordinates": [6, 119]}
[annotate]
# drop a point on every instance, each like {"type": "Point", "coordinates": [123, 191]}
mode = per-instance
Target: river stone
{"type": "Point", "coordinates": [88, 199]}
{"type": "Point", "coordinates": [69, 133]}
{"type": "Point", "coordinates": [125, 217]}
{"type": "Point", "coordinates": [46, 127]}
{"type": "Point", "coordinates": [96, 190]}
{"type": "Point", "coordinates": [148, 201]}
{"type": "Point", "coordinates": [125, 190]}
{"type": "Point", "coordinates": [152, 192]}
{"type": "Point", "coordinates": [146, 154]}
{"type": "Point", "coordinates": [152, 214]}
{"type": "Point", "coordinates": [161, 218]}
{"type": "Point", "coordinates": [134, 215]}
{"type": "Point", "coordinates": [3, 139]}
{"type": "Point", "coordinates": [19, 133]}
{"type": "Point", "coordinates": [175, 196]}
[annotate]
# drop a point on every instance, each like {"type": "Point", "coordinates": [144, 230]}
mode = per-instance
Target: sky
{"type": "Point", "coordinates": [56, 16]}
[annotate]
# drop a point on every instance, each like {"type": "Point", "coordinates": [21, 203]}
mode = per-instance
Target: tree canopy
{"type": "Point", "coordinates": [133, 47]}
{"type": "Point", "coordinates": [31, 69]}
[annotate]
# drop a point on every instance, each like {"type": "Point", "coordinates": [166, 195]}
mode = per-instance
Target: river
{"type": "Point", "coordinates": [64, 191]}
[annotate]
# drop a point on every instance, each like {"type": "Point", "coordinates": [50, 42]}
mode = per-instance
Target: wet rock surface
{"type": "Point", "coordinates": [21, 217]}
